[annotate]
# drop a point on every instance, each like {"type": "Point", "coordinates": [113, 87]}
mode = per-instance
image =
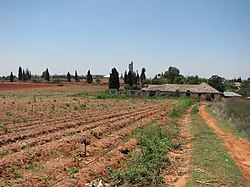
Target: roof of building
{"type": "Point", "coordinates": [192, 88]}
{"type": "Point", "coordinates": [231, 94]}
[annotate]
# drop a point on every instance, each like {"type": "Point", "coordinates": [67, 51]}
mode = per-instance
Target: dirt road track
{"type": "Point", "coordinates": [239, 148]}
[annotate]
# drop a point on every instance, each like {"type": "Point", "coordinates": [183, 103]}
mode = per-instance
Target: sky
{"type": "Point", "coordinates": [199, 37]}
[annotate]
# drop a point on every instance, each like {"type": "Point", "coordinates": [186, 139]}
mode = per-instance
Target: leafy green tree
{"type": "Point", "coordinates": [76, 77]}
{"type": "Point", "coordinates": [172, 74]}
{"type": "Point", "coordinates": [217, 82]}
{"type": "Point", "coordinates": [143, 75]}
{"type": "Point", "coordinates": [180, 79]}
{"type": "Point", "coordinates": [89, 78]}
{"type": "Point", "coordinates": [20, 73]}
{"type": "Point", "coordinates": [114, 82]}
{"type": "Point", "coordinates": [193, 79]}
{"type": "Point", "coordinates": [68, 77]}
{"type": "Point", "coordinates": [11, 77]}
{"type": "Point", "coordinates": [229, 86]}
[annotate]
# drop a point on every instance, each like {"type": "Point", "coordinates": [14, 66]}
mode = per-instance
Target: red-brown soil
{"type": "Point", "coordinates": [45, 128]}
{"type": "Point", "coordinates": [177, 173]}
{"type": "Point", "coordinates": [239, 149]}
{"type": "Point", "coordinates": [17, 86]}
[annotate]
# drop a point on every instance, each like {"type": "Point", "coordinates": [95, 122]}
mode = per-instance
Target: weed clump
{"type": "Point", "coordinates": [146, 163]}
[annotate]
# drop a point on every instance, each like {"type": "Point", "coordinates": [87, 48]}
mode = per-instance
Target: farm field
{"type": "Point", "coordinates": [43, 133]}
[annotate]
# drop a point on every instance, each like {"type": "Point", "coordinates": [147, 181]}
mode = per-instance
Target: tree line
{"type": "Point", "coordinates": [25, 75]}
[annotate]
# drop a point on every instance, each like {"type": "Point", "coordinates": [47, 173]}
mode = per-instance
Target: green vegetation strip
{"type": "Point", "coordinates": [210, 162]}
{"type": "Point", "coordinates": [146, 163]}
{"type": "Point", "coordinates": [150, 158]}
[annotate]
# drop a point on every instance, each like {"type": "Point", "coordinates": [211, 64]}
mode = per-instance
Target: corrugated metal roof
{"type": "Point", "coordinates": [231, 94]}
{"type": "Point", "coordinates": [193, 88]}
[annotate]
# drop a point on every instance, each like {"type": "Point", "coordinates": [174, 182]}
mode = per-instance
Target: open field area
{"type": "Point", "coordinates": [43, 133]}
{"type": "Point", "coordinates": [74, 134]}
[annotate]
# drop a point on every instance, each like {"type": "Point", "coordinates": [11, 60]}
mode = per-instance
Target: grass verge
{"type": "Point", "coordinates": [210, 163]}
{"type": "Point", "coordinates": [228, 126]}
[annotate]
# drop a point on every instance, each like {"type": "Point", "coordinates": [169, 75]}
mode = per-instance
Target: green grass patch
{"type": "Point", "coordinates": [210, 163]}
{"type": "Point", "coordinates": [145, 164]}
{"type": "Point", "coordinates": [106, 95]}
{"type": "Point", "coordinates": [73, 170]}
{"type": "Point", "coordinates": [180, 106]}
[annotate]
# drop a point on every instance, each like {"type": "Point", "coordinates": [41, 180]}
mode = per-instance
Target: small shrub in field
{"type": "Point", "coordinates": [5, 128]}
{"type": "Point", "coordinates": [73, 170]}
{"type": "Point", "coordinates": [82, 106]}
{"type": "Point", "coordinates": [8, 113]}
{"type": "Point", "coordinates": [195, 110]}
{"type": "Point", "coordinates": [68, 104]}
{"type": "Point", "coordinates": [75, 107]}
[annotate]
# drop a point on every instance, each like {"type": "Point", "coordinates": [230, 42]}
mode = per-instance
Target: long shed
{"type": "Point", "coordinates": [201, 91]}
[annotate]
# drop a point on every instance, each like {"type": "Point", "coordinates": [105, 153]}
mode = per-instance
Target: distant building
{"type": "Point", "coordinates": [231, 95]}
{"type": "Point", "coordinates": [201, 91]}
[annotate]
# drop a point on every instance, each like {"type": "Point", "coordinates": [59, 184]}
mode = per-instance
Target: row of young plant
{"type": "Point", "coordinates": [146, 162]}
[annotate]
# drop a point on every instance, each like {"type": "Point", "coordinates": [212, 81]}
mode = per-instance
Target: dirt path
{"type": "Point", "coordinates": [239, 148]}
{"type": "Point", "coordinates": [178, 172]}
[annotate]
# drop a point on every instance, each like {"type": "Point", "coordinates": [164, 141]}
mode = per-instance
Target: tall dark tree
{"type": "Point", "coordinates": [137, 78]}
{"type": "Point", "coordinates": [11, 77]}
{"type": "Point", "coordinates": [114, 82]}
{"type": "Point", "coordinates": [130, 78]}
{"type": "Point", "coordinates": [125, 77]}
{"type": "Point", "coordinates": [24, 75]}
{"type": "Point", "coordinates": [216, 82]}
{"type": "Point", "coordinates": [143, 76]}
{"type": "Point", "coordinates": [76, 77]}
{"type": "Point", "coordinates": [46, 75]}
{"type": "Point", "coordinates": [89, 78]}
{"type": "Point", "coordinates": [29, 76]}
{"type": "Point", "coordinates": [68, 77]}
{"type": "Point", "coordinates": [20, 73]}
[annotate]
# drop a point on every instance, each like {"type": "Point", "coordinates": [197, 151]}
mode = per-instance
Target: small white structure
{"type": "Point", "coordinates": [231, 94]}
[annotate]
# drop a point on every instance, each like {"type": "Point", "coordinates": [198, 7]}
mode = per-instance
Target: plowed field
{"type": "Point", "coordinates": [44, 132]}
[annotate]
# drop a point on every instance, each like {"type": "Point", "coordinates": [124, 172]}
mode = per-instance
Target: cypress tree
{"type": "Point", "coordinates": [11, 77]}
{"type": "Point", "coordinates": [76, 77]}
{"type": "Point", "coordinates": [30, 75]}
{"type": "Point", "coordinates": [89, 78]}
{"type": "Point", "coordinates": [114, 82]}
{"type": "Point", "coordinates": [137, 78]}
{"type": "Point", "coordinates": [27, 74]}
{"type": "Point", "coordinates": [143, 76]}
{"type": "Point", "coordinates": [47, 75]}
{"type": "Point", "coordinates": [125, 77]}
{"type": "Point", "coordinates": [24, 75]}
{"type": "Point", "coordinates": [130, 78]}
{"type": "Point", "coordinates": [68, 77]}
{"type": "Point", "coordinates": [20, 73]}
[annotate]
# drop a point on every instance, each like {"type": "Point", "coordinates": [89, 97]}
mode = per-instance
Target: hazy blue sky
{"type": "Point", "coordinates": [202, 37]}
